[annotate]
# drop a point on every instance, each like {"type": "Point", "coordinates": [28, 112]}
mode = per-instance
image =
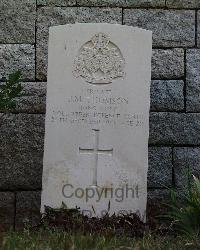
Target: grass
{"type": "Point", "coordinates": [47, 240]}
{"type": "Point", "coordinates": [186, 216]}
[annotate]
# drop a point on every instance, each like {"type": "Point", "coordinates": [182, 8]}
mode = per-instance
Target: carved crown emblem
{"type": "Point", "coordinates": [99, 61]}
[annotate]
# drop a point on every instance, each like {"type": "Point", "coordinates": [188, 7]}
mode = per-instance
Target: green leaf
{"type": "Point", "coordinates": [9, 91]}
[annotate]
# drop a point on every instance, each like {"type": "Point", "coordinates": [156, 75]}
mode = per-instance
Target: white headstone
{"type": "Point", "coordinates": [97, 119]}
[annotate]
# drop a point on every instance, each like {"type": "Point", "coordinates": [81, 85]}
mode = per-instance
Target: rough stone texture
{"type": "Point", "coordinates": [17, 21]}
{"type": "Point", "coordinates": [198, 28]}
{"type": "Point", "coordinates": [170, 27]}
{"type": "Point", "coordinates": [158, 194]}
{"type": "Point", "coordinates": [160, 167]}
{"type": "Point", "coordinates": [56, 2]}
{"type": "Point", "coordinates": [27, 209]}
{"type": "Point", "coordinates": [167, 95]}
{"type": "Point", "coordinates": [122, 3]}
{"type": "Point", "coordinates": [156, 202]}
{"type": "Point", "coordinates": [183, 3]}
{"type": "Point", "coordinates": [186, 160]}
{"type": "Point", "coordinates": [21, 150]}
{"type": "Point", "coordinates": [193, 80]}
{"type": "Point", "coordinates": [168, 63]}
{"type": "Point", "coordinates": [174, 128]}
{"type": "Point", "coordinates": [57, 16]}
{"type": "Point", "coordinates": [7, 210]}
{"type": "Point", "coordinates": [15, 57]}
{"type": "Point", "coordinates": [34, 100]}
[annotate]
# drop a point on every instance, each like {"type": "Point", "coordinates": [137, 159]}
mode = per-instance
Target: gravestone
{"type": "Point", "coordinates": [97, 119]}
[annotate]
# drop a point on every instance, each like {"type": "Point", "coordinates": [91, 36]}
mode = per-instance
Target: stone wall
{"type": "Point", "coordinates": [174, 144]}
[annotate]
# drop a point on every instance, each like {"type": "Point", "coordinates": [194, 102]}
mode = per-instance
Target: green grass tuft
{"type": "Point", "coordinates": [186, 214]}
{"type": "Point", "coordinates": [58, 240]}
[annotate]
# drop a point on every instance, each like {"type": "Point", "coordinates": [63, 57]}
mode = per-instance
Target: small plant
{"type": "Point", "coordinates": [186, 214]}
{"type": "Point", "coordinates": [9, 91]}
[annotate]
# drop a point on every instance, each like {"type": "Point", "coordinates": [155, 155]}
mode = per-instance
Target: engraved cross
{"type": "Point", "coordinates": [95, 151]}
